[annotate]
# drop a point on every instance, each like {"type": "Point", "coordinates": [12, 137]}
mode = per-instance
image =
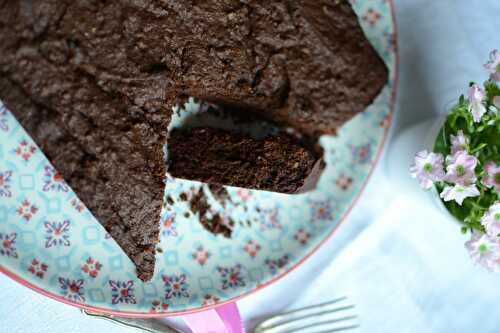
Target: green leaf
{"type": "Point", "coordinates": [461, 100]}
{"type": "Point", "coordinates": [478, 148]}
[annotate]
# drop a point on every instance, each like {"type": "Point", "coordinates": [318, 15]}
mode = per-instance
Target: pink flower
{"type": "Point", "coordinates": [496, 102]}
{"type": "Point", "coordinates": [428, 168]}
{"type": "Point", "coordinates": [476, 107]}
{"type": "Point", "coordinates": [491, 220]}
{"type": "Point", "coordinates": [459, 142]}
{"type": "Point", "coordinates": [459, 193]}
{"type": "Point", "coordinates": [460, 168]}
{"type": "Point", "coordinates": [492, 178]}
{"type": "Point", "coordinates": [483, 250]}
{"type": "Point", "coordinates": [493, 66]}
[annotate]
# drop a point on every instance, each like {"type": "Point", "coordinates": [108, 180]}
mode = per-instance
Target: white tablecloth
{"type": "Point", "coordinates": [396, 258]}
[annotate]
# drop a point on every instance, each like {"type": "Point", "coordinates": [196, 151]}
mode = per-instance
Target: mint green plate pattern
{"type": "Point", "coordinates": [50, 242]}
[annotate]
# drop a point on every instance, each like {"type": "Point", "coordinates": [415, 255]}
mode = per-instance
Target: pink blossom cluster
{"type": "Point", "coordinates": [457, 170]}
{"type": "Point", "coordinates": [484, 248]}
{"type": "Point", "coordinates": [461, 175]}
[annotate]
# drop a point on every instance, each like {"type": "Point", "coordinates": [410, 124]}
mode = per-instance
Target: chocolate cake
{"type": "Point", "coordinates": [305, 64]}
{"type": "Point", "coordinates": [94, 83]}
{"type": "Point", "coordinates": [273, 163]}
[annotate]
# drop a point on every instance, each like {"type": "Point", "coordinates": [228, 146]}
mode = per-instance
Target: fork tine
{"type": "Point", "coordinates": [333, 301]}
{"type": "Point", "coordinates": [273, 321]}
{"type": "Point", "coordinates": [277, 322]}
{"type": "Point", "coordinates": [314, 314]}
{"type": "Point", "coordinates": [338, 329]}
{"type": "Point", "coordinates": [321, 323]}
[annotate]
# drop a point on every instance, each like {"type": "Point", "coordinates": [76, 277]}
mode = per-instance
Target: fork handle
{"type": "Point", "coordinates": [144, 325]}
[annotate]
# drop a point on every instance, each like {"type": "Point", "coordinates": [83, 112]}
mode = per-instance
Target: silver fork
{"type": "Point", "coordinates": [334, 316]}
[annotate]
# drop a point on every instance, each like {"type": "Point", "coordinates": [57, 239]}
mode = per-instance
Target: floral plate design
{"type": "Point", "coordinates": [51, 243]}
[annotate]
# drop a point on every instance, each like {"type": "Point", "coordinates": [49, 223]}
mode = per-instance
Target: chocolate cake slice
{"type": "Point", "coordinates": [273, 163]}
{"type": "Point", "coordinates": [94, 83]}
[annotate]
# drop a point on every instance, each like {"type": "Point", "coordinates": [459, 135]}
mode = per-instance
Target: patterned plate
{"type": "Point", "coordinates": [51, 243]}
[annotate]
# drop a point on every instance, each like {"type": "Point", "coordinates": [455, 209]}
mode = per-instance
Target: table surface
{"type": "Point", "coordinates": [443, 45]}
